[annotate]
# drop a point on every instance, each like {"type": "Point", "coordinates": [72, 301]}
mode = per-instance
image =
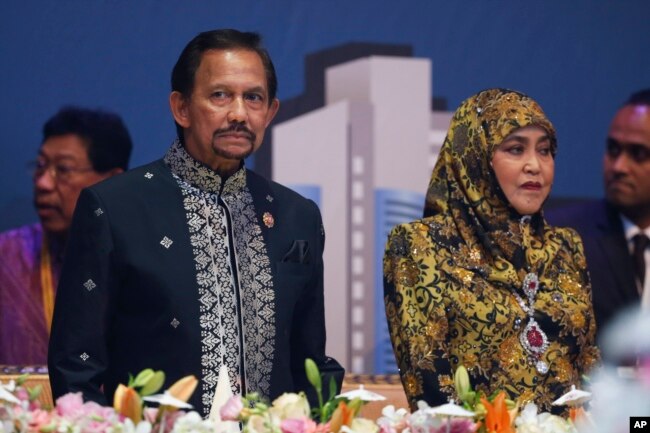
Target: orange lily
{"type": "Point", "coordinates": [128, 403]}
{"type": "Point", "coordinates": [576, 413]}
{"type": "Point", "coordinates": [183, 388]}
{"type": "Point", "coordinates": [497, 418]}
{"type": "Point", "coordinates": [343, 415]}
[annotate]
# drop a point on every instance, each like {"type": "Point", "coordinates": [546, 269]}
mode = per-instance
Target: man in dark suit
{"type": "Point", "coordinates": [193, 262]}
{"type": "Point", "coordinates": [612, 229]}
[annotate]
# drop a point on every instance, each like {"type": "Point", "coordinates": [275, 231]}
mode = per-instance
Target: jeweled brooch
{"type": "Point", "coordinates": [268, 220]}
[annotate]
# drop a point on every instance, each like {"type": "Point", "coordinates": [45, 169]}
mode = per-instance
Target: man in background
{"type": "Point", "coordinates": [80, 147]}
{"type": "Point", "coordinates": [615, 230]}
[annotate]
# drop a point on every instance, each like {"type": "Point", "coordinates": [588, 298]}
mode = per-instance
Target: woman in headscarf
{"type": "Point", "coordinates": [482, 280]}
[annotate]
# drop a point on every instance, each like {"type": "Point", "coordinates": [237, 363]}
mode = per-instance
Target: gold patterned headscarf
{"type": "Point", "coordinates": [470, 209]}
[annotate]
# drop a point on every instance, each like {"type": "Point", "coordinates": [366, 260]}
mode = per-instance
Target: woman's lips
{"type": "Point", "coordinates": [533, 186]}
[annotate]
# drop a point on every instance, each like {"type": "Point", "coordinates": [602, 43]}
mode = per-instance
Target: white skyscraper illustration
{"type": "Point", "coordinates": [365, 158]}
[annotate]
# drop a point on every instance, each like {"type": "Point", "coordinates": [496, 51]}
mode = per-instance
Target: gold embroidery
{"type": "Point", "coordinates": [407, 273]}
{"type": "Point", "coordinates": [412, 384]}
{"type": "Point", "coordinates": [563, 370]}
{"type": "Point", "coordinates": [510, 351]}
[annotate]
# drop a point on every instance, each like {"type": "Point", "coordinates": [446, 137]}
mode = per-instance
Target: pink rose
{"type": "Point", "coordinates": [386, 428]}
{"type": "Point", "coordinates": [94, 410]}
{"type": "Point", "coordinates": [22, 394]}
{"type": "Point", "coordinates": [459, 426]}
{"type": "Point", "coordinates": [39, 419]}
{"type": "Point", "coordinates": [170, 420]}
{"type": "Point", "coordinates": [231, 410]}
{"type": "Point", "coordinates": [298, 425]}
{"type": "Point", "coordinates": [97, 418]}
{"type": "Point", "coordinates": [34, 405]}
{"type": "Point", "coordinates": [69, 405]}
{"type": "Point", "coordinates": [150, 414]}
{"type": "Point", "coordinates": [95, 426]}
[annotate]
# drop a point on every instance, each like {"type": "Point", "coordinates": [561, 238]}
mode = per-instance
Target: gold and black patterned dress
{"type": "Point", "coordinates": [453, 280]}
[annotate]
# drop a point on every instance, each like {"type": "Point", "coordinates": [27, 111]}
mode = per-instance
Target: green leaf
{"type": "Point", "coordinates": [143, 377]}
{"type": "Point", "coordinates": [356, 404]}
{"type": "Point", "coordinates": [330, 407]}
{"type": "Point", "coordinates": [34, 392]}
{"type": "Point", "coordinates": [332, 389]}
{"type": "Point", "coordinates": [326, 412]}
{"type": "Point", "coordinates": [20, 380]}
{"type": "Point", "coordinates": [154, 383]}
{"type": "Point", "coordinates": [48, 428]}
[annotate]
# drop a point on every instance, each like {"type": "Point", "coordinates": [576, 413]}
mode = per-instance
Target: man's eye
{"type": "Point", "coordinates": [64, 169]}
{"type": "Point", "coordinates": [639, 153]}
{"type": "Point", "coordinates": [219, 95]}
{"type": "Point", "coordinates": [255, 97]}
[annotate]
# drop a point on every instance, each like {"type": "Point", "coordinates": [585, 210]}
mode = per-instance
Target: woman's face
{"type": "Point", "coordinates": [524, 167]}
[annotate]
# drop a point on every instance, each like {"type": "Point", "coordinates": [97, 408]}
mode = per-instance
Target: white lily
{"type": "Point", "coordinates": [166, 399]}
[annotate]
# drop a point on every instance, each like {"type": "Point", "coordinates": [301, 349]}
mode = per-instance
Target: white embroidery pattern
{"type": "Point", "coordinates": [148, 175]}
{"type": "Point", "coordinates": [258, 297]}
{"type": "Point", "coordinates": [218, 306]}
{"type": "Point", "coordinates": [98, 211]}
{"type": "Point", "coordinates": [219, 320]}
{"type": "Point", "coordinates": [175, 323]}
{"type": "Point", "coordinates": [166, 242]}
{"type": "Point", "coordinates": [89, 285]}
{"type": "Point", "coordinates": [84, 356]}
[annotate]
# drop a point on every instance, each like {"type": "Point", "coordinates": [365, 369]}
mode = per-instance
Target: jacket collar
{"type": "Point", "coordinates": [198, 174]}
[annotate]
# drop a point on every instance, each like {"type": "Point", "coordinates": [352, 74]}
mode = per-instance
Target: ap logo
{"type": "Point", "coordinates": [639, 424]}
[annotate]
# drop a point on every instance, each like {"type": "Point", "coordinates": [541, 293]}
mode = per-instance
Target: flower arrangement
{"type": "Point", "coordinates": [291, 413]}
{"type": "Point", "coordinates": [497, 414]}
{"type": "Point", "coordinates": [21, 412]}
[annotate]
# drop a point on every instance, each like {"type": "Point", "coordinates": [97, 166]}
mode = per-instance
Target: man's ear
{"type": "Point", "coordinates": [273, 110]}
{"type": "Point", "coordinates": [178, 106]}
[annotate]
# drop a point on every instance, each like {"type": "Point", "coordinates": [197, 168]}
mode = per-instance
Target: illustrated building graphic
{"type": "Point", "coordinates": [365, 158]}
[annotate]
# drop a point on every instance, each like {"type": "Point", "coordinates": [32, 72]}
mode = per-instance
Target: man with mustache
{"type": "Point", "coordinates": [615, 230]}
{"type": "Point", "coordinates": [80, 147]}
{"type": "Point", "coordinates": [193, 264]}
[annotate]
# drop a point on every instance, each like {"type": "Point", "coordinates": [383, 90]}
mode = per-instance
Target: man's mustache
{"type": "Point", "coordinates": [236, 128]}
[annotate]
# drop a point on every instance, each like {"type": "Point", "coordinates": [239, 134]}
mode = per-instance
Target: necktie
{"type": "Point", "coordinates": [641, 242]}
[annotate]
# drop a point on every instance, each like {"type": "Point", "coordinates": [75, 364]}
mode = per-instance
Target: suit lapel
{"type": "Point", "coordinates": [614, 246]}
{"type": "Point", "coordinates": [266, 207]}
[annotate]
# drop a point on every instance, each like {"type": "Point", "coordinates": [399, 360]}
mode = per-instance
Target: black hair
{"type": "Point", "coordinates": [641, 97]}
{"type": "Point", "coordinates": [105, 136]}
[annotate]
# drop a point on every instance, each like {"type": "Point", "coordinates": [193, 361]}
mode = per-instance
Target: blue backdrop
{"type": "Point", "coordinates": [580, 59]}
